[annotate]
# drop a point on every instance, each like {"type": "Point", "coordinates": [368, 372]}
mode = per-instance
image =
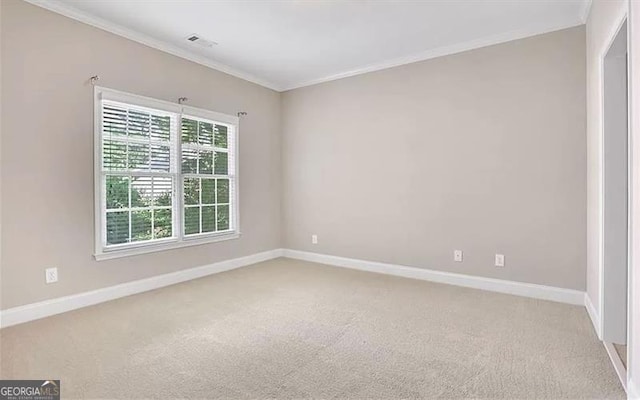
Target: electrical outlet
{"type": "Point", "coordinates": [457, 255]}
{"type": "Point", "coordinates": [51, 275]}
{"type": "Point", "coordinates": [499, 260]}
{"type": "Point", "coordinates": [314, 239]}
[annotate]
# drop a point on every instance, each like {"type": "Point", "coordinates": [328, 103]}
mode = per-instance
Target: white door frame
{"type": "Point", "coordinates": [633, 375]}
{"type": "Point", "coordinates": [620, 21]}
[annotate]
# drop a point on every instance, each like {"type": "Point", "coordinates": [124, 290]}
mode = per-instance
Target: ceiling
{"type": "Point", "coordinates": [285, 44]}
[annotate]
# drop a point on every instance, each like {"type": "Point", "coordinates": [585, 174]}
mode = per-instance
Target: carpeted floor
{"type": "Point", "coordinates": [291, 329]}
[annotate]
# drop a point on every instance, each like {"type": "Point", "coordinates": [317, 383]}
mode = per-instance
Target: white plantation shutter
{"type": "Point", "coordinates": [165, 173]}
{"type": "Point", "coordinates": [139, 173]}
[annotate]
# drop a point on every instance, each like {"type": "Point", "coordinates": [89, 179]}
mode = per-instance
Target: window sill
{"type": "Point", "coordinates": [153, 248]}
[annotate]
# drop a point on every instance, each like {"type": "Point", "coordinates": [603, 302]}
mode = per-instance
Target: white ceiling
{"type": "Point", "coordinates": [284, 44]}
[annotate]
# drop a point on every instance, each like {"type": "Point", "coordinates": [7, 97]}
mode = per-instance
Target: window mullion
{"type": "Point", "coordinates": [152, 189]}
{"type": "Point", "coordinates": [103, 206]}
{"type": "Point", "coordinates": [129, 211]}
{"type": "Point", "coordinates": [126, 131]}
{"type": "Point", "coordinates": [215, 202]}
{"type": "Point", "coordinates": [139, 173]}
{"type": "Point", "coordinates": [178, 203]}
{"type": "Point", "coordinates": [153, 213]}
{"type": "Point", "coordinates": [198, 125]}
{"type": "Point", "coordinates": [150, 160]}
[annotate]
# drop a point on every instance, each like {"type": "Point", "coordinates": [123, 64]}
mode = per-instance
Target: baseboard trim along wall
{"type": "Point", "coordinates": [633, 391]}
{"type": "Point", "coordinates": [593, 314]}
{"type": "Point", "coordinates": [618, 366]}
{"type": "Point", "coordinates": [561, 295]}
{"type": "Point", "coordinates": [30, 312]}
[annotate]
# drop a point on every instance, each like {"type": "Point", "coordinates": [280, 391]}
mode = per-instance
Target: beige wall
{"type": "Point", "coordinates": [47, 148]}
{"type": "Point", "coordinates": [490, 143]}
{"type": "Point", "coordinates": [603, 19]}
{"type": "Point", "coordinates": [483, 151]}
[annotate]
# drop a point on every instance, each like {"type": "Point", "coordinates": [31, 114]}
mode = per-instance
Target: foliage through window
{"type": "Point", "coordinates": [166, 174]}
{"type": "Point", "coordinates": [205, 169]}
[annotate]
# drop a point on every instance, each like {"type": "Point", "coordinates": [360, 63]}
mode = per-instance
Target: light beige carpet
{"type": "Point", "coordinates": [291, 329]}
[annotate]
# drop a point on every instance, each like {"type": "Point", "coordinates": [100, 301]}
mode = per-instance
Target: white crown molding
{"type": "Point", "coordinates": [74, 13]}
{"type": "Point", "coordinates": [561, 295]}
{"type": "Point", "coordinates": [593, 315]}
{"type": "Point", "coordinates": [441, 52]}
{"type": "Point", "coordinates": [30, 312]}
{"type": "Point", "coordinates": [586, 9]}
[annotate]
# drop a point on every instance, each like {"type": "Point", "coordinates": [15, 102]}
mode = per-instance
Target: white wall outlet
{"type": "Point", "coordinates": [314, 239]}
{"type": "Point", "coordinates": [457, 255]}
{"type": "Point", "coordinates": [51, 275]}
{"type": "Point", "coordinates": [499, 260]}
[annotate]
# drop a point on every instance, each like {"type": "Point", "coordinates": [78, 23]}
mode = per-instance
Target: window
{"type": "Point", "coordinates": [165, 175]}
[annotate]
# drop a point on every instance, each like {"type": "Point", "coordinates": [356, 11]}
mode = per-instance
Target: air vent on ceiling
{"type": "Point", "coordinates": [200, 41]}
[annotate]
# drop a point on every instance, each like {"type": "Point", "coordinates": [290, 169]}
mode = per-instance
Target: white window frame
{"type": "Point", "coordinates": [103, 252]}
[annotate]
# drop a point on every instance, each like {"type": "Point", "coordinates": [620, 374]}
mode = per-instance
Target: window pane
{"type": "Point", "coordinates": [208, 219]}
{"type": "Point", "coordinates": [141, 191]}
{"type": "Point", "coordinates": [205, 136]}
{"type": "Point", "coordinates": [191, 220]}
{"type": "Point", "coordinates": [221, 136]}
{"type": "Point", "coordinates": [138, 156]}
{"type": "Point", "coordinates": [117, 191]}
{"type": "Point", "coordinates": [162, 224]}
{"type": "Point", "coordinates": [208, 191]}
{"type": "Point", "coordinates": [160, 158]}
{"type": "Point", "coordinates": [205, 162]}
{"type": "Point", "coordinates": [117, 227]}
{"type": "Point", "coordinates": [189, 131]}
{"type": "Point", "coordinates": [140, 225]}
{"type": "Point", "coordinates": [162, 191]}
{"type": "Point", "coordinates": [160, 128]}
{"type": "Point", "coordinates": [223, 191]}
{"type": "Point", "coordinates": [191, 191]}
{"type": "Point", "coordinates": [114, 121]}
{"type": "Point", "coordinates": [223, 218]}
{"type": "Point", "coordinates": [138, 123]}
{"type": "Point", "coordinates": [114, 155]}
{"type": "Point", "coordinates": [221, 167]}
{"type": "Point", "coordinates": [189, 161]}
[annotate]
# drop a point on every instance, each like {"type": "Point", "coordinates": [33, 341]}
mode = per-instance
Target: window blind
{"type": "Point", "coordinates": [139, 173]}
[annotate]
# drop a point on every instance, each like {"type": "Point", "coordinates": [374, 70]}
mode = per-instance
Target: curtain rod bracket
{"type": "Point", "coordinates": [242, 114]}
{"type": "Point", "coordinates": [94, 79]}
{"type": "Point", "coordinates": [182, 100]}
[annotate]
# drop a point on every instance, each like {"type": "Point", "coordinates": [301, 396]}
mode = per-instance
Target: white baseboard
{"type": "Point", "coordinates": [633, 390]}
{"type": "Point", "coordinates": [561, 295]}
{"type": "Point", "coordinates": [593, 314]}
{"type": "Point", "coordinates": [618, 366]}
{"type": "Point", "coordinates": [30, 312]}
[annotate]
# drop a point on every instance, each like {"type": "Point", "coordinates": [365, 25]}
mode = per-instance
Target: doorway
{"type": "Point", "coordinates": [615, 201]}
